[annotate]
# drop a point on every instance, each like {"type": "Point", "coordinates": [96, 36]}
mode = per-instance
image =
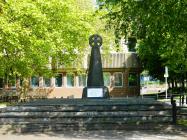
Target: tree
{"type": "Point", "coordinates": [33, 31]}
{"type": "Point", "coordinates": [160, 28]}
{"type": "Point", "coordinates": [35, 35]}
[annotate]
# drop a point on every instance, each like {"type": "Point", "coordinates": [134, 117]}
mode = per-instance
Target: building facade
{"type": "Point", "coordinates": [121, 72]}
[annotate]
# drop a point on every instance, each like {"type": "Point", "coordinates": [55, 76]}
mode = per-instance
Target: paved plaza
{"type": "Point", "coordinates": [168, 133]}
{"type": "Point", "coordinates": [99, 135]}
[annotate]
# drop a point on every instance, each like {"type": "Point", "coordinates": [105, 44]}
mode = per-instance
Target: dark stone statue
{"type": "Point", "coordinates": [95, 83]}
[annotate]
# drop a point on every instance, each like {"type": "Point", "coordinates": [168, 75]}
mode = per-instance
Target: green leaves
{"type": "Point", "coordinates": [31, 32]}
{"type": "Point", "coordinates": [160, 27]}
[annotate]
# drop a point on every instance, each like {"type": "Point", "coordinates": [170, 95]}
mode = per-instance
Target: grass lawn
{"type": "Point", "coordinates": [5, 104]}
{"type": "Point", "coordinates": [182, 122]}
{"type": "Point", "coordinates": [164, 100]}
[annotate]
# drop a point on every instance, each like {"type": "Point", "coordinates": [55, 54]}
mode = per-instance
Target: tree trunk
{"type": "Point", "coordinates": [182, 83]}
{"type": "Point", "coordinates": [175, 81]}
{"type": "Point", "coordinates": [172, 83]}
{"type": "Point", "coordinates": [24, 88]}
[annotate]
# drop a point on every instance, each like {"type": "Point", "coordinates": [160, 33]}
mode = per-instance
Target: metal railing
{"type": "Point", "coordinates": [179, 110]}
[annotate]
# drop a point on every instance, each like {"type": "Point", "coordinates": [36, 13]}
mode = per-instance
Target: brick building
{"type": "Point", "coordinates": [121, 72]}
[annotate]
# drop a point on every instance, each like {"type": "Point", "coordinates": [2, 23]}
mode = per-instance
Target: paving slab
{"type": "Point", "coordinates": [99, 135]}
{"type": "Point", "coordinates": [168, 133]}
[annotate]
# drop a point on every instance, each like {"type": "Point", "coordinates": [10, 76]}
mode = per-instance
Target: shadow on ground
{"type": "Point", "coordinates": [169, 132]}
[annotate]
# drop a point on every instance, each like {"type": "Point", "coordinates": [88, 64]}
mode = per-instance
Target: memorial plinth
{"type": "Point", "coordinates": [95, 83]}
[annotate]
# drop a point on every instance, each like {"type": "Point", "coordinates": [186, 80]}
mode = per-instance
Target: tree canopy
{"type": "Point", "coordinates": [160, 28]}
{"type": "Point", "coordinates": [33, 31]}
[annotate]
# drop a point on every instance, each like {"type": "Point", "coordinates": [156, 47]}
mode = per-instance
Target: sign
{"type": "Point", "coordinates": [94, 92]}
{"type": "Point", "coordinates": [165, 75]}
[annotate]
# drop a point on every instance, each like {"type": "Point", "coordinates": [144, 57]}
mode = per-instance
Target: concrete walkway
{"type": "Point", "coordinates": [166, 134]}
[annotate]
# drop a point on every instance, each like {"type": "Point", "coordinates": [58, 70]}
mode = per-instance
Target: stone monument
{"type": "Point", "coordinates": [95, 83]}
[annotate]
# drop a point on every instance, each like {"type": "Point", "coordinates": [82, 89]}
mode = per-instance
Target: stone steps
{"type": "Point", "coordinates": [59, 120]}
{"type": "Point", "coordinates": [59, 114]}
{"type": "Point", "coordinates": [79, 108]}
{"type": "Point", "coordinates": [58, 128]}
{"type": "Point", "coordinates": [84, 114]}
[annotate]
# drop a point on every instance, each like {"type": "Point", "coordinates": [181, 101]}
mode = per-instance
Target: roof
{"type": "Point", "coordinates": [121, 60]}
{"type": "Point", "coordinates": [112, 60]}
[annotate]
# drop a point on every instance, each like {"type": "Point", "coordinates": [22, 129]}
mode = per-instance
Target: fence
{"type": "Point", "coordinates": [179, 112]}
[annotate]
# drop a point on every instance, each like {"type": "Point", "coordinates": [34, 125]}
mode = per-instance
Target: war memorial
{"type": "Point", "coordinates": [126, 82]}
{"type": "Point", "coordinates": [95, 111]}
{"type": "Point", "coordinates": [95, 83]}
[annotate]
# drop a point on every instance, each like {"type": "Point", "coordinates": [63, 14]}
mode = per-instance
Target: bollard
{"type": "Point", "coordinates": [174, 112]}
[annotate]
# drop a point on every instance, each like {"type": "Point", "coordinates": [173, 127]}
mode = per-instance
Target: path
{"type": "Point", "coordinates": [170, 133]}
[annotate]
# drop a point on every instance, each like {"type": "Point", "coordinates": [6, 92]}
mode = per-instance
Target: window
{"type": "Point", "coordinates": [70, 80]}
{"type": "Point", "coordinates": [118, 79]}
{"type": "Point", "coordinates": [35, 81]}
{"type": "Point", "coordinates": [106, 77]}
{"type": "Point", "coordinates": [58, 80]}
{"type": "Point", "coordinates": [47, 82]}
{"type": "Point", "coordinates": [133, 78]}
{"type": "Point", "coordinates": [82, 80]}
